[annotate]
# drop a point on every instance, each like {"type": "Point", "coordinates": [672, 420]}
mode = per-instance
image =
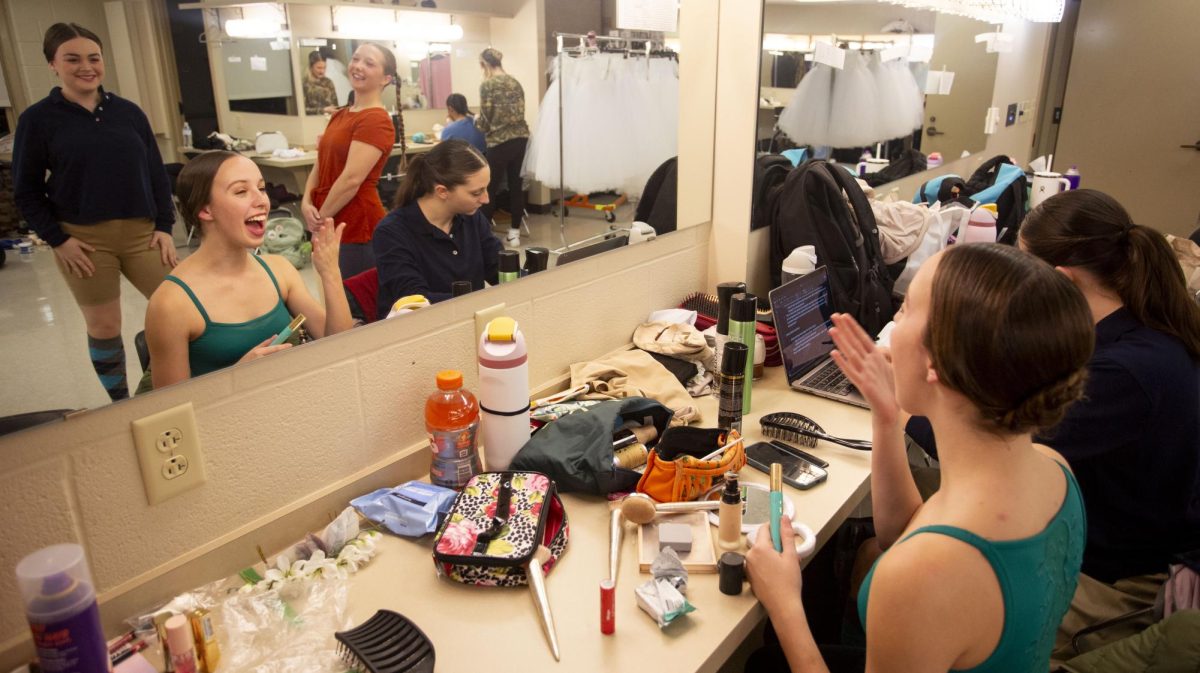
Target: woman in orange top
{"type": "Point", "coordinates": [350, 157]}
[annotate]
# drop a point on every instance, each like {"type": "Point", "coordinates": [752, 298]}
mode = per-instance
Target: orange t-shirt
{"type": "Point", "coordinates": [372, 126]}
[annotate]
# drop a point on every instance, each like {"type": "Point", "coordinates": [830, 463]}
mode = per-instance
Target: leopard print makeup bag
{"type": "Point", "coordinates": [496, 524]}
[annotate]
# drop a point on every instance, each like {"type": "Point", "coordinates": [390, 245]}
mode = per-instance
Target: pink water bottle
{"type": "Point", "coordinates": [981, 227]}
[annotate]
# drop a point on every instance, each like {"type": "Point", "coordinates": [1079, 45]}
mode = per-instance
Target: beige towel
{"type": "Point", "coordinates": [678, 340]}
{"type": "Point", "coordinates": [634, 373]}
{"type": "Point", "coordinates": [902, 226]}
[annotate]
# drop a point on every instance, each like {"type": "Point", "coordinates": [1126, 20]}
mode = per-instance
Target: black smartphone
{"type": "Point", "coordinates": [797, 471]}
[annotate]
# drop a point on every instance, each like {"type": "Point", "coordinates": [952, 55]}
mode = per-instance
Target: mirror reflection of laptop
{"type": "Point", "coordinates": [802, 321]}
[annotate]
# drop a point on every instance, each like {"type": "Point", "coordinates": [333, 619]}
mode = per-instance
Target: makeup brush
{"type": "Point", "coordinates": [617, 526]}
{"type": "Point", "coordinates": [537, 582]}
{"type": "Point", "coordinates": [641, 508]}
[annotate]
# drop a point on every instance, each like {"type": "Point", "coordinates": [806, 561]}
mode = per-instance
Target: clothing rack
{"type": "Point", "coordinates": [590, 43]}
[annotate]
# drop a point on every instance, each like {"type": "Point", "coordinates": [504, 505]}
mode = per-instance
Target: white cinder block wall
{"type": "Point", "coordinates": [297, 435]}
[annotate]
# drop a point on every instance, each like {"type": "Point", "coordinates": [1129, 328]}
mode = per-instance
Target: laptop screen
{"type": "Point", "coordinates": [802, 320]}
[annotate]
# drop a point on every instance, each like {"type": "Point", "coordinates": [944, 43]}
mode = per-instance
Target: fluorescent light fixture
{"type": "Point", "coordinates": [994, 11]}
{"type": "Point", "coordinates": [248, 28]}
{"type": "Point", "coordinates": [400, 26]}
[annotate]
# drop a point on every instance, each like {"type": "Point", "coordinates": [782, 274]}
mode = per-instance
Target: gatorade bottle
{"type": "Point", "coordinates": [452, 421]}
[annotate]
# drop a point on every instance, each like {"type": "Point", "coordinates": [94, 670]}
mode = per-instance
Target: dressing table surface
{"type": "Point", "coordinates": [497, 629]}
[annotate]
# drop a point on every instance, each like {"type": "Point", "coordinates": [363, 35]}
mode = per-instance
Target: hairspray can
{"type": "Point", "coordinates": [725, 292]}
{"type": "Point", "coordinates": [503, 392]}
{"type": "Point", "coordinates": [60, 605]}
{"type": "Point", "coordinates": [742, 328]}
{"type": "Point", "coordinates": [733, 377]}
{"type": "Point", "coordinates": [510, 265]}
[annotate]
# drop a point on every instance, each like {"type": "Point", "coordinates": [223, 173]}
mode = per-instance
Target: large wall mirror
{"type": "Point", "coordinates": [620, 125]}
{"type": "Point", "coordinates": [911, 80]}
{"type": "Point", "coordinates": [257, 70]}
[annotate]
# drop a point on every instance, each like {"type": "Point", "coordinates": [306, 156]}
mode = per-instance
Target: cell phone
{"type": "Point", "coordinates": [797, 471]}
{"type": "Point", "coordinates": [287, 331]}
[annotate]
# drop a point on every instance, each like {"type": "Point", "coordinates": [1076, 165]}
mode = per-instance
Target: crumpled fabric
{"type": "Point", "coordinates": [902, 226]}
{"type": "Point", "coordinates": [1188, 254]}
{"type": "Point", "coordinates": [1182, 591]}
{"type": "Point", "coordinates": [682, 341]}
{"type": "Point", "coordinates": [634, 373]}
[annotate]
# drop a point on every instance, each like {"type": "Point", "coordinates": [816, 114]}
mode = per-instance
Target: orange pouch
{"type": "Point", "coordinates": [677, 470]}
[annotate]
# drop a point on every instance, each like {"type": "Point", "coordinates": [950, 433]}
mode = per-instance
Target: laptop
{"type": "Point", "coordinates": [802, 321]}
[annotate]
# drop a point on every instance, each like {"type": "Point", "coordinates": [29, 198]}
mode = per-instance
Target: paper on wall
{"type": "Point", "coordinates": [939, 82]}
{"type": "Point", "coordinates": [830, 55]}
{"type": "Point", "coordinates": [660, 15]}
{"type": "Point", "coordinates": [235, 59]}
{"type": "Point", "coordinates": [258, 63]}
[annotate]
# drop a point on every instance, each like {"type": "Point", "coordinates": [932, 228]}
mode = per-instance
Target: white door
{"type": "Point", "coordinates": [1132, 104]}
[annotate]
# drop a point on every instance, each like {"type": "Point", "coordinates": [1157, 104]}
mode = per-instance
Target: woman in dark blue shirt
{"type": "Point", "coordinates": [437, 234]}
{"type": "Point", "coordinates": [89, 179]}
{"type": "Point", "coordinates": [462, 123]}
{"type": "Point", "coordinates": [1134, 439]}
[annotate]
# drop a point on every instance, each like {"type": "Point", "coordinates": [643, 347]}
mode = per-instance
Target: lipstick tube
{"type": "Point", "coordinates": [608, 607]}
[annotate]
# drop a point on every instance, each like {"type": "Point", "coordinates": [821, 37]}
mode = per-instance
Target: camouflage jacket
{"type": "Point", "coordinates": [501, 110]}
{"type": "Point", "coordinates": [318, 94]}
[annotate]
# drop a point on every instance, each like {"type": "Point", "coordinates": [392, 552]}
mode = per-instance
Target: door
{"type": "Point", "coordinates": [1132, 104]}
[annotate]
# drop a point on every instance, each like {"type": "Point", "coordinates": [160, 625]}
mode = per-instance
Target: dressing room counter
{"type": "Point", "coordinates": [497, 629]}
{"type": "Point", "coordinates": [294, 170]}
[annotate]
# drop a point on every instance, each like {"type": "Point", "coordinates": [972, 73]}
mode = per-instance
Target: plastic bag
{"type": "Point", "coordinates": [286, 630]}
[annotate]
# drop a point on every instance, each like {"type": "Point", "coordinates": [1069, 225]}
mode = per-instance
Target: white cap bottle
{"type": "Point", "coordinates": [503, 392]}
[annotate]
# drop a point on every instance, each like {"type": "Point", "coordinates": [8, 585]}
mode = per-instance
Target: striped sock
{"type": "Point", "coordinates": [108, 358]}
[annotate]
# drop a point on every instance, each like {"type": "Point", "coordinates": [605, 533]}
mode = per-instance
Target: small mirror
{"type": "Point", "coordinates": [258, 75]}
{"type": "Point", "coordinates": [423, 74]}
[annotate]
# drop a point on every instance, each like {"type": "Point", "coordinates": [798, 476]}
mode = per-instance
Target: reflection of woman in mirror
{"type": "Point", "coordinates": [320, 96]}
{"type": "Point", "coordinates": [980, 574]}
{"type": "Point", "coordinates": [350, 158]}
{"type": "Point", "coordinates": [502, 121]}
{"type": "Point", "coordinates": [105, 206]}
{"type": "Point", "coordinates": [223, 304]}
{"type": "Point", "coordinates": [462, 123]}
{"type": "Point", "coordinates": [437, 233]}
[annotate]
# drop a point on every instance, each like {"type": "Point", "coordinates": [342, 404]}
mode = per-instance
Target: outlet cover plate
{"type": "Point", "coordinates": [484, 316]}
{"type": "Point", "coordinates": [164, 441]}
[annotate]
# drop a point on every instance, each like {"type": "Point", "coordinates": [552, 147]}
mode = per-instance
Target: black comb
{"type": "Point", "coordinates": [804, 430]}
{"type": "Point", "coordinates": [386, 643]}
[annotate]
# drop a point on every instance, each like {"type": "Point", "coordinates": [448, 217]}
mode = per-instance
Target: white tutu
{"type": "Point", "coordinates": [894, 119]}
{"type": "Point", "coordinates": [805, 119]}
{"type": "Point", "coordinates": [620, 122]}
{"type": "Point", "coordinates": [853, 115]}
{"type": "Point", "coordinates": [912, 99]}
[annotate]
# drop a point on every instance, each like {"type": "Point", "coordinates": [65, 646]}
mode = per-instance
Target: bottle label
{"type": "Point", "coordinates": [72, 644]}
{"type": "Point", "coordinates": [453, 444]}
{"type": "Point", "coordinates": [729, 403]}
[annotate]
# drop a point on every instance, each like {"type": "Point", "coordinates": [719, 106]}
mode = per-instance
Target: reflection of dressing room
{"type": "Point", "coordinates": [339, 334]}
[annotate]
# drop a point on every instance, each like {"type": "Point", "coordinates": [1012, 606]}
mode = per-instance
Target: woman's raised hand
{"type": "Point", "coordinates": [326, 242]}
{"type": "Point", "coordinates": [869, 367]}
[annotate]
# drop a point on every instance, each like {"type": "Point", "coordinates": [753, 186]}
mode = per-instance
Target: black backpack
{"type": "Point", "coordinates": [658, 206]}
{"type": "Point", "coordinates": [770, 170]}
{"type": "Point", "coordinates": [1000, 181]}
{"type": "Point", "coordinates": [901, 166]}
{"type": "Point", "coordinates": [810, 208]}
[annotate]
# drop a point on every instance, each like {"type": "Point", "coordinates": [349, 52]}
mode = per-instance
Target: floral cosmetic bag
{"type": "Point", "coordinates": [496, 524]}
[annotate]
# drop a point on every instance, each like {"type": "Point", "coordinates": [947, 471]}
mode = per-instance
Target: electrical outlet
{"type": "Point", "coordinates": [485, 316]}
{"type": "Point", "coordinates": [174, 467]}
{"type": "Point", "coordinates": [168, 448]}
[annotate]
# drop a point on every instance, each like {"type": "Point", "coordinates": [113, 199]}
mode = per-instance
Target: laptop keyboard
{"type": "Point", "coordinates": [830, 379]}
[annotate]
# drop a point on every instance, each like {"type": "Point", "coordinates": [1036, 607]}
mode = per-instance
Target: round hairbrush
{"type": "Point", "coordinates": [803, 430]}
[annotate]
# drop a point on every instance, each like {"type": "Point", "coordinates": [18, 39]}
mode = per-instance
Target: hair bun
{"type": "Point", "coordinates": [1045, 407]}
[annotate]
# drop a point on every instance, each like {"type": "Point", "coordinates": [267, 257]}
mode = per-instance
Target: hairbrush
{"type": "Point", "coordinates": [386, 643]}
{"type": "Point", "coordinates": [707, 304]}
{"type": "Point", "coordinates": [804, 430]}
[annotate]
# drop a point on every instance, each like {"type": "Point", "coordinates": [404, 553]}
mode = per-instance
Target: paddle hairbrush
{"type": "Point", "coordinates": [804, 430]}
